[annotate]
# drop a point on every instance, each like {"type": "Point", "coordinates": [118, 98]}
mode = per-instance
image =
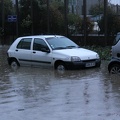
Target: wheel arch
{"type": "Point", "coordinates": [112, 63]}
{"type": "Point", "coordinates": [58, 62]}
{"type": "Point", "coordinates": [12, 59]}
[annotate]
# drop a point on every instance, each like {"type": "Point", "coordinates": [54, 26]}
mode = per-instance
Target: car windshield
{"type": "Point", "coordinates": [61, 43]}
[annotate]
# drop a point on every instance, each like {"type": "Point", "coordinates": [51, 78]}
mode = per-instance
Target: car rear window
{"type": "Point", "coordinates": [24, 43]}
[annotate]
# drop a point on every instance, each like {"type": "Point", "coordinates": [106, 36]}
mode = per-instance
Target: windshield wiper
{"type": "Point", "coordinates": [71, 47]}
{"type": "Point", "coordinates": [58, 48]}
{"type": "Point", "coordinates": [67, 47]}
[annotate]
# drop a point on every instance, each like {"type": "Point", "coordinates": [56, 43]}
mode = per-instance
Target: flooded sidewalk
{"type": "Point", "coordinates": [30, 93]}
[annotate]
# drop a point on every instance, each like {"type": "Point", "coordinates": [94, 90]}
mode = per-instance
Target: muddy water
{"type": "Point", "coordinates": [43, 94]}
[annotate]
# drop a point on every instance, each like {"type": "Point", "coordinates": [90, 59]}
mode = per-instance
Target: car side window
{"type": "Point", "coordinates": [24, 43]}
{"type": "Point", "coordinates": [39, 44]}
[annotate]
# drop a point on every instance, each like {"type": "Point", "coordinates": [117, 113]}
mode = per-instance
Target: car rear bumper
{"type": "Point", "coordinates": [83, 64]}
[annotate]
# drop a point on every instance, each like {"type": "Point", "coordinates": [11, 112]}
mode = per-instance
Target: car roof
{"type": "Point", "coordinates": [41, 36]}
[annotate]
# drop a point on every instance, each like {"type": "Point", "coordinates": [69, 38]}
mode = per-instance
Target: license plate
{"type": "Point", "coordinates": [90, 64]}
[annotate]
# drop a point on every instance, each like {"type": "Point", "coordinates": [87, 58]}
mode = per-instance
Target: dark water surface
{"type": "Point", "coordinates": [30, 93]}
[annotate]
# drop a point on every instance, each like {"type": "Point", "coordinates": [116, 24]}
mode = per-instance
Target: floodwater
{"type": "Point", "coordinates": [30, 93]}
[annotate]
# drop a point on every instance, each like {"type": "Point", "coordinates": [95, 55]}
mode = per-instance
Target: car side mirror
{"type": "Point", "coordinates": [45, 50]}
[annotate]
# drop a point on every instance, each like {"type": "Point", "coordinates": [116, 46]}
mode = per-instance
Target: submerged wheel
{"type": "Point", "coordinates": [115, 69]}
{"type": "Point", "coordinates": [60, 66]}
{"type": "Point", "coordinates": [14, 64]}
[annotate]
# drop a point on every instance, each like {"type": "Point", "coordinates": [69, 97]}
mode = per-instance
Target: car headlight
{"type": "Point", "coordinates": [97, 56]}
{"type": "Point", "coordinates": [75, 59]}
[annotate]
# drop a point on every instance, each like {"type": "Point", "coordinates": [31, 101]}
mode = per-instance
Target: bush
{"type": "Point", "coordinates": [104, 52]}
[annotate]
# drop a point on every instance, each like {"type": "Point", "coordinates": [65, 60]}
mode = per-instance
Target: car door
{"type": "Point", "coordinates": [41, 54]}
{"type": "Point", "coordinates": [23, 51]}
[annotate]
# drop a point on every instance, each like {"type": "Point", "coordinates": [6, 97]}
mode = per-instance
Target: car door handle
{"type": "Point", "coordinates": [34, 52]}
{"type": "Point", "coordinates": [16, 50]}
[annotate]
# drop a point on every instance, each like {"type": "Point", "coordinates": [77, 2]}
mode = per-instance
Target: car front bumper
{"type": "Point", "coordinates": [83, 64]}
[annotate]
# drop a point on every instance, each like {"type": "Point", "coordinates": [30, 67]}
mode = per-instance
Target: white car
{"type": "Point", "coordinates": [51, 50]}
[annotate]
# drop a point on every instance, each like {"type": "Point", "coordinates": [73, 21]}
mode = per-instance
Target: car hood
{"type": "Point", "coordinates": [84, 54]}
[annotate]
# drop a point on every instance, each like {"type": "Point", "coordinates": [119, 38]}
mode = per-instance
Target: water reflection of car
{"type": "Point", "coordinates": [51, 50]}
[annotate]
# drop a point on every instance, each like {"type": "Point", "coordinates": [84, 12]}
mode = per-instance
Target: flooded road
{"type": "Point", "coordinates": [30, 93]}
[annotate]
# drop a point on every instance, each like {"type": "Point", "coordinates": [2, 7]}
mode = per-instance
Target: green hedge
{"type": "Point", "coordinates": [104, 52]}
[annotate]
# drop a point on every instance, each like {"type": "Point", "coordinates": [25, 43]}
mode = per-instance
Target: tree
{"type": "Point", "coordinates": [113, 24]}
{"type": "Point", "coordinates": [113, 20]}
{"type": "Point", "coordinates": [96, 9]}
{"type": "Point", "coordinates": [38, 16]}
{"type": "Point", "coordinates": [89, 26]}
{"type": "Point", "coordinates": [74, 24]}
{"type": "Point", "coordinates": [26, 24]}
{"type": "Point", "coordinates": [57, 17]}
{"type": "Point", "coordinates": [6, 8]}
{"type": "Point", "coordinates": [37, 13]}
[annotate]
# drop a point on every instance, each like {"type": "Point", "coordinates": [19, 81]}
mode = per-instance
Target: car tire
{"type": "Point", "coordinates": [14, 64]}
{"type": "Point", "coordinates": [60, 66]}
{"type": "Point", "coordinates": [115, 69]}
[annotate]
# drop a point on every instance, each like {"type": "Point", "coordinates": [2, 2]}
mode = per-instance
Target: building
{"type": "Point", "coordinates": [115, 8]}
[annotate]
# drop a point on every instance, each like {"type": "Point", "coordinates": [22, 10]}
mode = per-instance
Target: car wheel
{"type": "Point", "coordinates": [60, 66]}
{"type": "Point", "coordinates": [115, 69]}
{"type": "Point", "coordinates": [14, 64]}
